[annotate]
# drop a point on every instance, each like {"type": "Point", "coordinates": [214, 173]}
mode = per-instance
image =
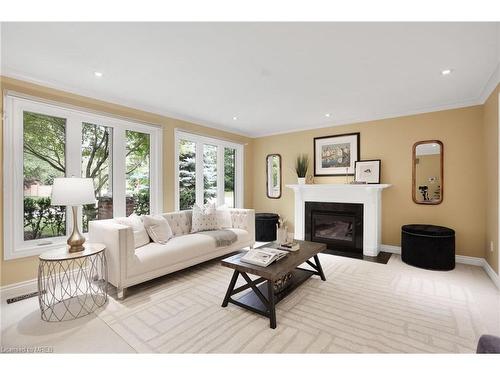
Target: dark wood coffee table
{"type": "Point", "coordinates": [263, 297]}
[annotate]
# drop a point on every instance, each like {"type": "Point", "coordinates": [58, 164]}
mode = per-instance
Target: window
{"type": "Point", "coordinates": [43, 141]}
{"type": "Point", "coordinates": [97, 143]}
{"type": "Point", "coordinates": [208, 170]}
{"type": "Point", "coordinates": [137, 173]}
{"type": "Point", "coordinates": [229, 176]}
{"type": "Point", "coordinates": [186, 162]}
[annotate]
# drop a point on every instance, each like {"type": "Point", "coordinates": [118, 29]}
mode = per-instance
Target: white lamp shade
{"type": "Point", "coordinates": [72, 191]}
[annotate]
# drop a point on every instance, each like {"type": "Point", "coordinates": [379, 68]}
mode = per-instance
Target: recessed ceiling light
{"type": "Point", "coordinates": [98, 74]}
{"type": "Point", "coordinates": [446, 72]}
{"type": "Point", "coordinates": [328, 114]}
{"type": "Point", "coordinates": [235, 118]}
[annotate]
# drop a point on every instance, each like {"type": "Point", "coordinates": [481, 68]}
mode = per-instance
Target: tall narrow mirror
{"type": "Point", "coordinates": [273, 170]}
{"type": "Point", "coordinates": [428, 172]}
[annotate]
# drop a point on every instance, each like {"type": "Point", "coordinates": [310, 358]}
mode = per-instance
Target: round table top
{"type": "Point", "coordinates": [63, 253]}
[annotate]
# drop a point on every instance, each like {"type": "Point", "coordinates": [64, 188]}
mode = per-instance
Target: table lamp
{"type": "Point", "coordinates": [74, 192]}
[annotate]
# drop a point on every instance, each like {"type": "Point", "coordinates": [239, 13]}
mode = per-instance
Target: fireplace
{"type": "Point", "coordinates": [338, 225]}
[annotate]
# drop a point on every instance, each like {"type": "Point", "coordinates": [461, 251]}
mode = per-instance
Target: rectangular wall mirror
{"type": "Point", "coordinates": [428, 172]}
{"type": "Point", "coordinates": [273, 170]}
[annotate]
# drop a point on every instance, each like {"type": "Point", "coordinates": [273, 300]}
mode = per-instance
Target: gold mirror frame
{"type": "Point", "coordinates": [414, 172]}
{"type": "Point", "coordinates": [280, 178]}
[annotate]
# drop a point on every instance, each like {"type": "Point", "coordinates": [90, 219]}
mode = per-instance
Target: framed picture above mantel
{"type": "Point", "coordinates": [336, 155]}
{"type": "Point", "coordinates": [368, 171]}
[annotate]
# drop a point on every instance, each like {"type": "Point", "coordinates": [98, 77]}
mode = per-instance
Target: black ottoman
{"type": "Point", "coordinates": [428, 246]}
{"type": "Point", "coordinates": [265, 227]}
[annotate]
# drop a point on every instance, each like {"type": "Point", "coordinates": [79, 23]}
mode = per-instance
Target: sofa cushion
{"type": "Point", "coordinates": [178, 249]}
{"type": "Point", "coordinates": [141, 237]}
{"type": "Point", "coordinates": [180, 222]}
{"type": "Point", "coordinates": [224, 220]}
{"type": "Point", "coordinates": [158, 228]}
{"type": "Point", "coordinates": [243, 235]}
{"type": "Point", "coordinates": [204, 218]}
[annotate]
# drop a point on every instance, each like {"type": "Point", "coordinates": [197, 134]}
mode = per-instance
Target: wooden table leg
{"type": "Point", "coordinates": [272, 307]}
{"type": "Point", "coordinates": [230, 288]}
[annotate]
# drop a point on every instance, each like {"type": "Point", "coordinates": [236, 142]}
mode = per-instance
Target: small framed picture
{"type": "Point", "coordinates": [368, 171]}
{"type": "Point", "coordinates": [335, 155]}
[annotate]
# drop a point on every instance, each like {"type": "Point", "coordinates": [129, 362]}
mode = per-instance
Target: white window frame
{"type": "Point", "coordinates": [15, 104]}
{"type": "Point", "coordinates": [199, 141]}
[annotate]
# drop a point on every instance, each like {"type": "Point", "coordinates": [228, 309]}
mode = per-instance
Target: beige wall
{"type": "Point", "coordinates": [25, 269]}
{"type": "Point", "coordinates": [491, 135]}
{"type": "Point", "coordinates": [391, 140]}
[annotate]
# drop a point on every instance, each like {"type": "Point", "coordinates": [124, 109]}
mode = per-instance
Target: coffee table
{"type": "Point", "coordinates": [264, 296]}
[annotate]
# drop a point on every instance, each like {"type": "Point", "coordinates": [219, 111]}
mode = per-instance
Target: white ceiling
{"type": "Point", "coordinates": [275, 77]}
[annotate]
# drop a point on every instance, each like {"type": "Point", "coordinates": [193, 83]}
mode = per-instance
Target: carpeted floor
{"type": "Point", "coordinates": [362, 307]}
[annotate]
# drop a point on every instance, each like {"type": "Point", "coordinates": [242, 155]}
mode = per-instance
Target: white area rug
{"type": "Point", "coordinates": [362, 307]}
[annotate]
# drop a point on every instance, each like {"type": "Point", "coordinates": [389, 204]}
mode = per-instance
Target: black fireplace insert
{"type": "Point", "coordinates": [338, 225]}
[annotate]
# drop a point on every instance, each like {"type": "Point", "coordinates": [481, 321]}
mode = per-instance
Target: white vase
{"type": "Point", "coordinates": [301, 180]}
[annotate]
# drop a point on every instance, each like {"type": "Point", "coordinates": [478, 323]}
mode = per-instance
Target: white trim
{"type": "Point", "coordinates": [463, 259]}
{"type": "Point", "coordinates": [199, 141]}
{"type": "Point", "coordinates": [491, 273]}
{"type": "Point", "coordinates": [17, 289]}
{"type": "Point", "coordinates": [471, 261]}
{"type": "Point", "coordinates": [391, 249]}
{"type": "Point", "coordinates": [490, 85]}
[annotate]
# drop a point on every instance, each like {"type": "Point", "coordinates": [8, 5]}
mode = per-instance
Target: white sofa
{"type": "Point", "coordinates": [129, 266]}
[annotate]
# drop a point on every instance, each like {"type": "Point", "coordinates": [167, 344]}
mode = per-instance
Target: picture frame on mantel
{"type": "Point", "coordinates": [336, 155]}
{"type": "Point", "coordinates": [368, 171]}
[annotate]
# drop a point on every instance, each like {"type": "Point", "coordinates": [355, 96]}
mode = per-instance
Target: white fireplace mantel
{"type": "Point", "coordinates": [370, 195]}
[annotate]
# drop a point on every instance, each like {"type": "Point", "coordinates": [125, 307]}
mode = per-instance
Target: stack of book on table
{"type": "Point", "coordinates": [290, 246]}
{"type": "Point", "coordinates": [263, 256]}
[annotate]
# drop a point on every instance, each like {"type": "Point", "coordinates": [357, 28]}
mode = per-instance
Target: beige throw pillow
{"type": "Point", "coordinates": [141, 237]}
{"type": "Point", "coordinates": [158, 228]}
{"type": "Point", "coordinates": [204, 218]}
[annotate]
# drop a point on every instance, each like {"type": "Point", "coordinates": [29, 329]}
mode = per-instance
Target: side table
{"type": "Point", "coordinates": [72, 285]}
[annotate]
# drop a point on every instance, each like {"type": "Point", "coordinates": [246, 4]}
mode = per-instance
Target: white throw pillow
{"type": "Point", "coordinates": [224, 220]}
{"type": "Point", "coordinates": [158, 228]}
{"type": "Point", "coordinates": [204, 218]}
{"type": "Point", "coordinates": [141, 237]}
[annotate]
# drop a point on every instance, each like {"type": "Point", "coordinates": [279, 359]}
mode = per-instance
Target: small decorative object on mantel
{"type": "Point", "coordinates": [301, 165]}
{"type": "Point", "coordinates": [368, 171]}
{"type": "Point", "coordinates": [335, 155]}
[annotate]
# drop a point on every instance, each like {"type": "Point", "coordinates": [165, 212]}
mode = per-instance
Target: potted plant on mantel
{"type": "Point", "coordinates": [301, 166]}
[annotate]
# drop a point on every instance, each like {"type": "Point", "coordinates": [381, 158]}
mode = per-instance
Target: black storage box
{"type": "Point", "coordinates": [428, 246]}
{"type": "Point", "coordinates": [265, 227]}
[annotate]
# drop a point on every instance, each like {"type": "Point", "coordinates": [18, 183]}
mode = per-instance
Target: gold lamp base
{"type": "Point", "coordinates": [76, 240]}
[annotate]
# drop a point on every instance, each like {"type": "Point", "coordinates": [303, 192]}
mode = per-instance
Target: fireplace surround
{"type": "Point", "coordinates": [338, 225]}
{"type": "Point", "coordinates": [369, 195]}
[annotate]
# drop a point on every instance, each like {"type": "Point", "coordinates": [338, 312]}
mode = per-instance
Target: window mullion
{"type": "Point", "coordinates": [239, 184]}
{"type": "Point", "coordinates": [73, 153]}
{"type": "Point", "coordinates": [220, 175]}
{"type": "Point", "coordinates": [200, 186]}
{"type": "Point", "coordinates": [119, 184]}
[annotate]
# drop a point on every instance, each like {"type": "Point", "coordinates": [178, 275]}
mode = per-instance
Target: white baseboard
{"type": "Point", "coordinates": [463, 259]}
{"type": "Point", "coordinates": [491, 273]}
{"type": "Point", "coordinates": [391, 249]}
{"type": "Point", "coordinates": [18, 289]}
